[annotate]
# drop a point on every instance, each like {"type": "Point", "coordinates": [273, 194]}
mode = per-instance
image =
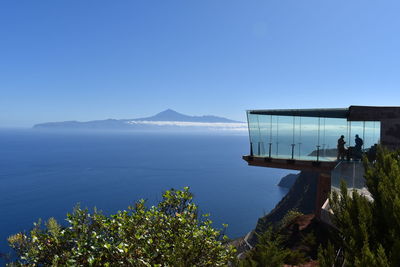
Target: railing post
{"type": "Point", "coordinates": [251, 149]}
{"type": "Point", "coordinates": [318, 152]}
{"type": "Point", "coordinates": [293, 151]}
{"type": "Point", "coordinates": [270, 148]}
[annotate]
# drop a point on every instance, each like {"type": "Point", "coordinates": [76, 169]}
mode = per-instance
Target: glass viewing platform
{"type": "Point", "coordinates": [307, 134]}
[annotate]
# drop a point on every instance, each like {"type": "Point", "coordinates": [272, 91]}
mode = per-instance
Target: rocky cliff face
{"type": "Point", "coordinates": [288, 180]}
{"type": "Point", "coordinates": [301, 196]}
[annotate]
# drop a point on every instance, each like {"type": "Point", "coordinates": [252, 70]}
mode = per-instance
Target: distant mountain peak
{"type": "Point", "coordinates": [168, 115]}
{"type": "Point", "coordinates": [172, 115]}
{"type": "Point", "coordinates": [168, 112]}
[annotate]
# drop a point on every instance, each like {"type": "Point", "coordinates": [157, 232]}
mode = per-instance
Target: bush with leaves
{"type": "Point", "coordinates": [289, 217]}
{"type": "Point", "coordinates": [369, 231]}
{"type": "Point", "coordinates": [169, 234]}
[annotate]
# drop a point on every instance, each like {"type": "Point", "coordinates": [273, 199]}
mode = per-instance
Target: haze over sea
{"type": "Point", "coordinates": [45, 173]}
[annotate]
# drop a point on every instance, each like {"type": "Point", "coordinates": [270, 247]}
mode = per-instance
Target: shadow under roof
{"type": "Point", "coordinates": [320, 112]}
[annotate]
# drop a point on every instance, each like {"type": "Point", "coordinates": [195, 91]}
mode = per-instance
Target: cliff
{"type": "Point", "coordinates": [301, 196]}
{"type": "Point", "coordinates": [288, 180]}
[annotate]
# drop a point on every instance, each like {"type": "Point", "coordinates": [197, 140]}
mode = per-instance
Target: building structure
{"type": "Point", "coordinates": [307, 139]}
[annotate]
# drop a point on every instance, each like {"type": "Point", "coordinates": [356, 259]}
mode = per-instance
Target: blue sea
{"type": "Point", "coordinates": [45, 174]}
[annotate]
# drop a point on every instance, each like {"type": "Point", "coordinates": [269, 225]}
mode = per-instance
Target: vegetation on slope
{"type": "Point", "coordinates": [272, 249]}
{"type": "Point", "coordinates": [292, 241]}
{"type": "Point", "coordinates": [301, 197]}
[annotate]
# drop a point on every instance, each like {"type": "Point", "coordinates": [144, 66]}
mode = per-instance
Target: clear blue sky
{"type": "Point", "coordinates": [85, 60]}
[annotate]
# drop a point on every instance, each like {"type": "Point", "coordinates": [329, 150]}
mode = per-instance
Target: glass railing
{"type": "Point", "coordinates": [352, 173]}
{"type": "Point", "coordinates": [307, 138]}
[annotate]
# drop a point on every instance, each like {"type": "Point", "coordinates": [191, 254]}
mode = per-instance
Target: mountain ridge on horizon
{"type": "Point", "coordinates": [167, 116]}
{"type": "Point", "coordinates": [172, 115]}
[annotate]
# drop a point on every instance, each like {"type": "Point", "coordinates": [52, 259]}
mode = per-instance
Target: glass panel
{"type": "Point", "coordinates": [371, 134]}
{"type": "Point", "coordinates": [271, 136]}
{"type": "Point", "coordinates": [334, 129]}
{"type": "Point", "coordinates": [254, 133]}
{"type": "Point", "coordinates": [298, 137]}
{"type": "Point", "coordinates": [285, 137]}
{"type": "Point", "coordinates": [349, 134]}
{"type": "Point", "coordinates": [308, 138]}
{"type": "Point", "coordinates": [353, 174]}
{"type": "Point", "coordinates": [357, 129]}
{"type": "Point", "coordinates": [264, 123]}
{"type": "Point", "coordinates": [275, 136]}
{"type": "Point", "coordinates": [323, 144]}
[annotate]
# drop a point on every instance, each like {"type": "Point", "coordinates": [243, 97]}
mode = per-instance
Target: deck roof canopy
{"type": "Point", "coordinates": [323, 112]}
{"type": "Point", "coordinates": [352, 113]}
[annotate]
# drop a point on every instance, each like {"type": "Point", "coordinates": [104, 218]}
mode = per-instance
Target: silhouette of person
{"type": "Point", "coordinates": [341, 150]}
{"type": "Point", "coordinates": [357, 148]}
{"type": "Point", "coordinates": [359, 143]}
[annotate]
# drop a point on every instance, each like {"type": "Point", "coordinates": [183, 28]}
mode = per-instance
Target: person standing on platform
{"type": "Point", "coordinates": [358, 148]}
{"type": "Point", "coordinates": [341, 150]}
{"type": "Point", "coordinates": [359, 144]}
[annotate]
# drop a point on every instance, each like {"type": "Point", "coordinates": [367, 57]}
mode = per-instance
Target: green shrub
{"type": "Point", "coordinates": [290, 216]}
{"type": "Point", "coordinates": [271, 251]}
{"type": "Point", "coordinates": [369, 231]}
{"type": "Point", "coordinates": [169, 234]}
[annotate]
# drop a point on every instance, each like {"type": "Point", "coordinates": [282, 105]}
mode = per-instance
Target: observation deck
{"type": "Point", "coordinates": [307, 140]}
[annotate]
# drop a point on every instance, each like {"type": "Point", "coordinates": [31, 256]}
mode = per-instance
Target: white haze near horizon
{"type": "Point", "coordinates": [231, 126]}
{"type": "Point", "coordinates": [284, 128]}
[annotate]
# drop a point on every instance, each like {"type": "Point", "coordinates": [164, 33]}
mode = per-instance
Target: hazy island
{"type": "Point", "coordinates": [165, 120]}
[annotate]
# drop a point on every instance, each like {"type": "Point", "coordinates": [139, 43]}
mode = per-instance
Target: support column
{"type": "Point", "coordinates": [323, 190]}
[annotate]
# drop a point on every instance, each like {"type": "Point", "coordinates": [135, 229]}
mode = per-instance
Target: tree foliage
{"type": "Point", "coordinates": [169, 234]}
{"type": "Point", "coordinates": [326, 256]}
{"type": "Point", "coordinates": [271, 249]}
{"type": "Point", "coordinates": [370, 230]}
{"type": "Point", "coordinates": [289, 217]}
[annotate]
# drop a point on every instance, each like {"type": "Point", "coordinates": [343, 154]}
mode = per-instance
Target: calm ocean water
{"type": "Point", "coordinates": [45, 174]}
